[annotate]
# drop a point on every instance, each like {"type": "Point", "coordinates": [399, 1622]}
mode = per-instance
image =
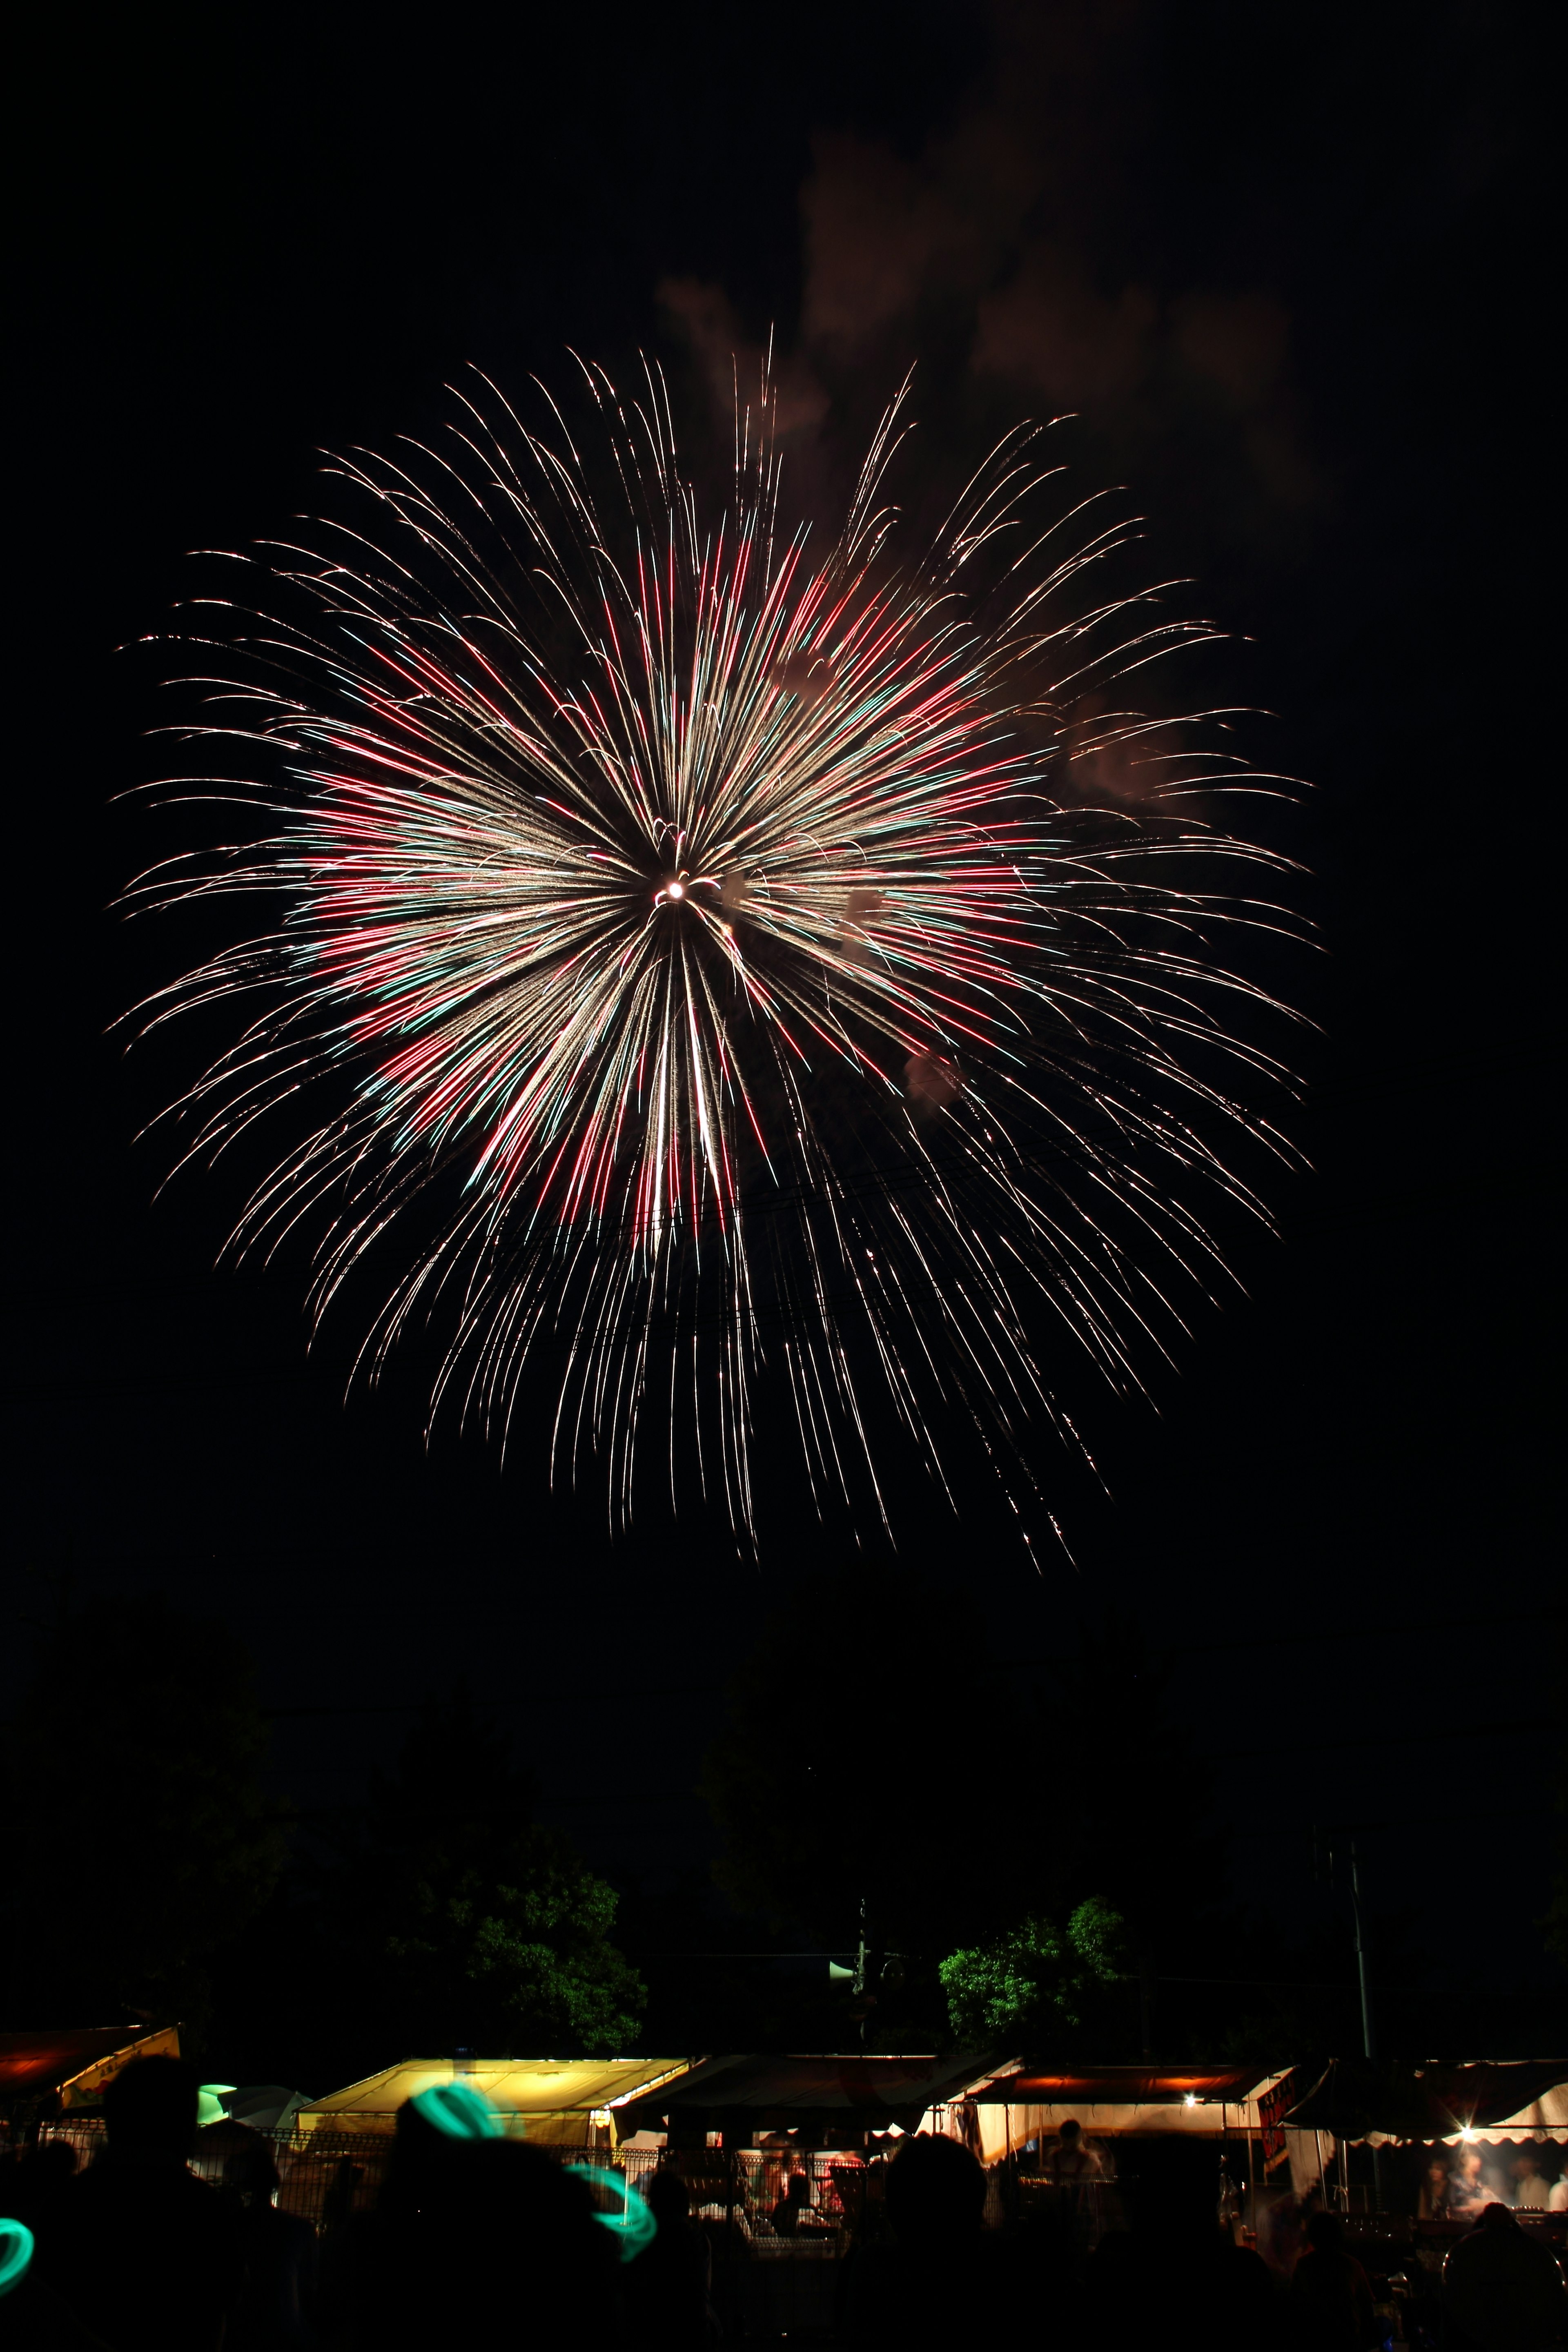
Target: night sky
{"type": "Point", "coordinates": [1278, 262]}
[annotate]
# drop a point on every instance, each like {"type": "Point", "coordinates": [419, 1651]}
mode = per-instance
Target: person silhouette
{"type": "Point", "coordinates": [943, 2281]}
{"type": "Point", "coordinates": [277, 2303]}
{"type": "Point", "coordinates": [469, 2233]}
{"type": "Point", "coordinates": [1070, 2162]}
{"type": "Point", "coordinates": [1502, 2289]}
{"type": "Point", "coordinates": [1530, 2186]}
{"type": "Point", "coordinates": [39, 2181]}
{"type": "Point", "coordinates": [666, 2290]}
{"type": "Point", "coordinates": [793, 2206]}
{"type": "Point", "coordinates": [145, 2254]}
{"type": "Point", "coordinates": [1432, 2204]}
{"type": "Point", "coordinates": [1468, 2193]}
{"type": "Point", "coordinates": [1173, 2275]}
{"type": "Point", "coordinates": [1331, 2294]}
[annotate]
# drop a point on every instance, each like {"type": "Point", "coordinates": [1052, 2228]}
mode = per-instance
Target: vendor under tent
{"type": "Point", "coordinates": [1439, 2105]}
{"type": "Point", "coordinates": [833, 2100]}
{"type": "Point", "coordinates": [55, 2072]}
{"type": "Point", "coordinates": [559, 2102]}
{"type": "Point", "coordinates": [1513, 2099]}
{"type": "Point", "coordinates": [1021, 2105]}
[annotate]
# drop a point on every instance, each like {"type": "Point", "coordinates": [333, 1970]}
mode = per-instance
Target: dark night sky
{"type": "Point", "coordinates": [1278, 260]}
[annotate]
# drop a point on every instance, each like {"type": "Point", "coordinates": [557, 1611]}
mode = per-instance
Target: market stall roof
{"type": "Point", "coordinates": [541, 2091]}
{"type": "Point", "coordinates": [265, 2106]}
{"type": "Point", "coordinates": [1027, 2103]}
{"type": "Point", "coordinates": [1439, 2100]}
{"type": "Point", "coordinates": [1117, 2087]}
{"type": "Point", "coordinates": [76, 2062]}
{"type": "Point", "coordinates": [773, 2093]}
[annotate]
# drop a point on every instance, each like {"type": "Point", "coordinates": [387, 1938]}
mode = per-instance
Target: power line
{"type": "Point", "coordinates": [1401, 1739]}
{"type": "Point", "coordinates": [1349, 1633]}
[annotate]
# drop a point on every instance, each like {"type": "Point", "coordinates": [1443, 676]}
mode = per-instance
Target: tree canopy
{"type": "Point", "coordinates": [1023, 1986]}
{"type": "Point", "coordinates": [142, 1839]}
{"type": "Point", "coordinates": [472, 1924]}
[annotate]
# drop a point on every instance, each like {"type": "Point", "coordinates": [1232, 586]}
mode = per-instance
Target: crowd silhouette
{"type": "Point", "coordinates": [475, 2238]}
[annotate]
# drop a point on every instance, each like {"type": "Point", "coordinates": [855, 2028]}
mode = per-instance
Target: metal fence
{"type": "Point", "coordinates": [323, 2178]}
{"type": "Point", "coordinates": [767, 2281]}
{"type": "Point", "coordinates": [328, 2176]}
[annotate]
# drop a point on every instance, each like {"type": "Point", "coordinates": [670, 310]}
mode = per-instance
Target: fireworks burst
{"type": "Point", "coordinates": [706, 961]}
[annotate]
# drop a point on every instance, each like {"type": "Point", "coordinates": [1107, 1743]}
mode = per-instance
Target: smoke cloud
{"type": "Point", "coordinates": [1012, 251]}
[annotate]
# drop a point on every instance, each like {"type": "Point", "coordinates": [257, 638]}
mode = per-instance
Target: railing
{"type": "Point", "coordinates": [325, 2177]}
{"type": "Point", "coordinates": [765, 2283]}
{"type": "Point", "coordinates": [322, 2177]}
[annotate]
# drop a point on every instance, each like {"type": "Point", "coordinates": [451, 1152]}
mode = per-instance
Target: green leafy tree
{"type": "Point", "coordinates": [1019, 1985]}
{"type": "Point", "coordinates": [475, 1924]}
{"type": "Point", "coordinates": [140, 1838]}
{"type": "Point", "coordinates": [518, 1952]}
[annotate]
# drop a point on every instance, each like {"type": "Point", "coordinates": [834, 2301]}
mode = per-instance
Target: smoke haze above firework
{"type": "Point", "coordinates": [701, 973]}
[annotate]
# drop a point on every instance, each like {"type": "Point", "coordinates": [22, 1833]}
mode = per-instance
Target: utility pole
{"type": "Point", "coordinates": [863, 1986]}
{"type": "Point", "coordinates": [1368, 2041]}
{"type": "Point", "coordinates": [1368, 2038]}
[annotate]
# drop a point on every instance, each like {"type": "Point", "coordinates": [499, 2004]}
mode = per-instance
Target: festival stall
{"type": "Point", "coordinates": [824, 2101]}
{"type": "Point", "coordinates": [559, 2102]}
{"type": "Point", "coordinates": [781, 2156]}
{"type": "Point", "coordinates": [1020, 2107]}
{"type": "Point", "coordinates": [1399, 2105]}
{"type": "Point", "coordinates": [59, 2072]}
{"type": "Point", "coordinates": [1478, 2112]}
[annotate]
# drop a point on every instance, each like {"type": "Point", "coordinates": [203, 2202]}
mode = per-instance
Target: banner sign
{"type": "Point", "coordinates": [1271, 2111]}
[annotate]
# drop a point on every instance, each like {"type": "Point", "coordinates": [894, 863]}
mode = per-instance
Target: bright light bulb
{"type": "Point", "coordinates": [1191, 2099]}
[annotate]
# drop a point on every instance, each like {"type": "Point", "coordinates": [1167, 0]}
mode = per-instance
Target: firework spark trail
{"type": "Point", "coordinates": [689, 957]}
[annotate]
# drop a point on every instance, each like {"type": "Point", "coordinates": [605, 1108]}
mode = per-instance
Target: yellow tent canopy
{"type": "Point", "coordinates": [555, 2100]}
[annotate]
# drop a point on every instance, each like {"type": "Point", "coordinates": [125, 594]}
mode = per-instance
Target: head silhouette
{"type": "Point", "coordinates": [936, 2190]}
{"type": "Point", "coordinates": [500, 2211]}
{"type": "Point", "coordinates": [668, 2198]}
{"type": "Point", "coordinates": [149, 2108]}
{"type": "Point", "coordinates": [1072, 2132]}
{"type": "Point", "coordinates": [1325, 2233]}
{"type": "Point", "coordinates": [1171, 2192]}
{"type": "Point", "coordinates": [250, 2170]}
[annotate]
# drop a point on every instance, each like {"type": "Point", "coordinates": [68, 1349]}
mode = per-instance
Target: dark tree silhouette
{"type": "Point", "coordinates": [462, 1921]}
{"type": "Point", "coordinates": [140, 1839]}
{"type": "Point", "coordinates": [873, 1754]}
